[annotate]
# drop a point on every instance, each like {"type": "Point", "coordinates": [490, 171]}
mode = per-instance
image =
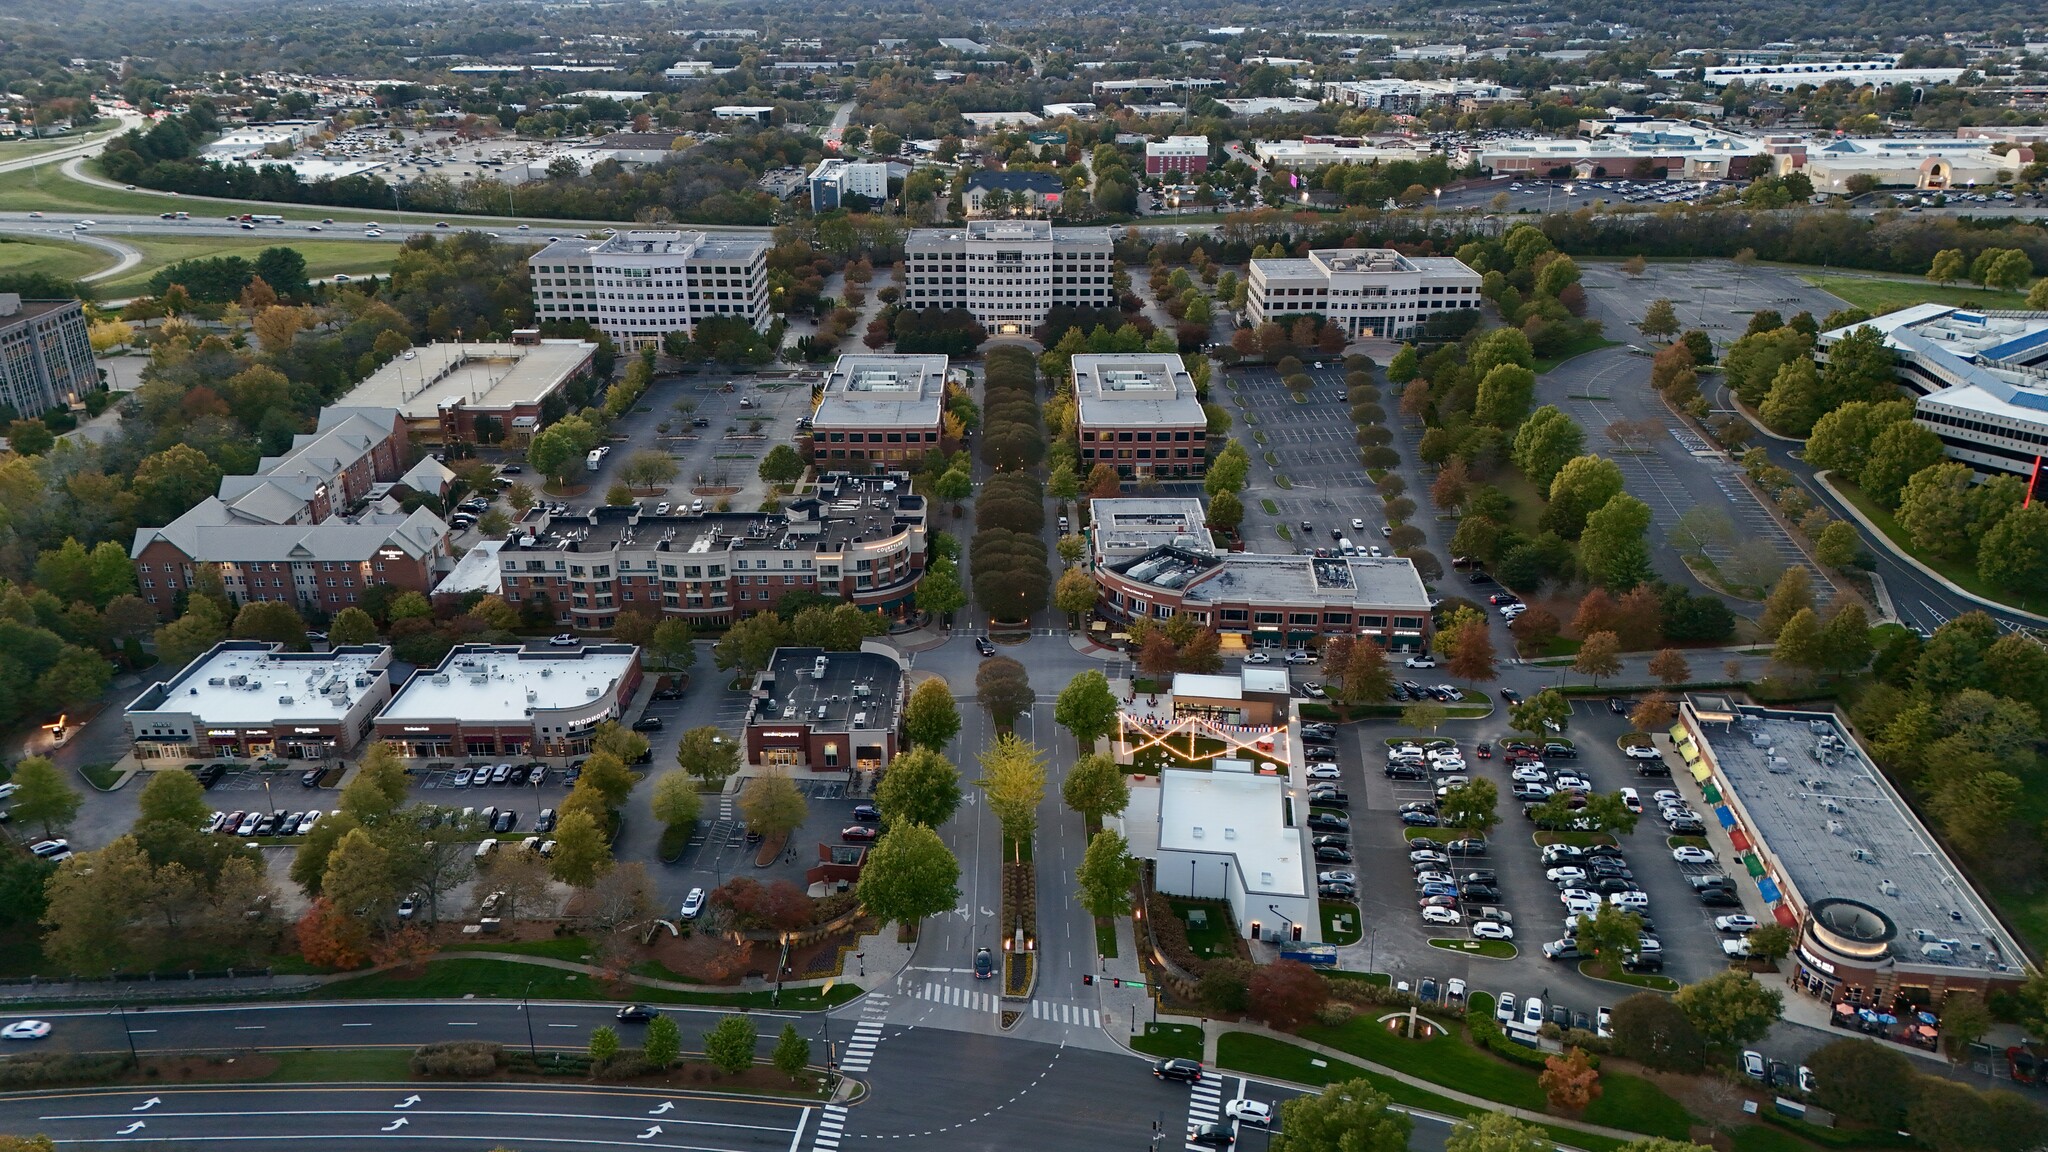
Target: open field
{"type": "Point", "coordinates": [324, 258]}
{"type": "Point", "coordinates": [21, 254]}
{"type": "Point", "coordinates": [1881, 296]}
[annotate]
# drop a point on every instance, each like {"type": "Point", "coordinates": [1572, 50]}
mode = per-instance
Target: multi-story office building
{"type": "Point", "coordinates": [505, 700]}
{"type": "Point", "coordinates": [835, 179]}
{"type": "Point", "coordinates": [637, 286]}
{"type": "Point", "coordinates": [45, 357]}
{"type": "Point", "coordinates": [1138, 412]}
{"type": "Point", "coordinates": [252, 698]}
{"type": "Point", "coordinates": [861, 540]}
{"type": "Point", "coordinates": [1368, 291]}
{"type": "Point", "coordinates": [1008, 273]}
{"type": "Point", "coordinates": [1177, 154]}
{"type": "Point", "coordinates": [1153, 559]}
{"type": "Point", "coordinates": [879, 411]}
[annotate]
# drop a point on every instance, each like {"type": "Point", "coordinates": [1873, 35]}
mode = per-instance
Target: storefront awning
{"type": "Point", "coordinates": [1752, 865]}
{"type": "Point", "coordinates": [1679, 735]}
{"type": "Point", "coordinates": [1784, 914]}
{"type": "Point", "coordinates": [1740, 839]}
{"type": "Point", "coordinates": [1711, 792]}
{"type": "Point", "coordinates": [1689, 754]}
{"type": "Point", "coordinates": [1726, 817]}
{"type": "Point", "coordinates": [1699, 771]}
{"type": "Point", "coordinates": [1769, 890]}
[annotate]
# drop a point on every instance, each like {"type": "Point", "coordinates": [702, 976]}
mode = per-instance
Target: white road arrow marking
{"type": "Point", "coordinates": [408, 1102]}
{"type": "Point", "coordinates": [666, 1106]}
{"type": "Point", "coordinates": [651, 1133]}
{"type": "Point", "coordinates": [986, 912]}
{"type": "Point", "coordinates": [146, 1105]}
{"type": "Point", "coordinates": [135, 1127]}
{"type": "Point", "coordinates": [395, 1125]}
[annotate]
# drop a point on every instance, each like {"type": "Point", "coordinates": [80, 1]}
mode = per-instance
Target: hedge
{"type": "Point", "coordinates": [459, 1058]}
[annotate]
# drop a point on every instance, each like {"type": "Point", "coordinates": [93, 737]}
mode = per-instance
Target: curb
{"type": "Point", "coordinates": [1822, 478]}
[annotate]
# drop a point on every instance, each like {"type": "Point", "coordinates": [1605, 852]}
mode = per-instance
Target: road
{"type": "Point", "coordinates": [89, 145]}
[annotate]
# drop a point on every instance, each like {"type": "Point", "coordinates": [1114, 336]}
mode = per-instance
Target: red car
{"type": "Point", "coordinates": [859, 832]}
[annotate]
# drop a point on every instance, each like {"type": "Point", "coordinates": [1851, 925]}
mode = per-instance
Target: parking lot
{"type": "Point", "coordinates": [1397, 939]}
{"type": "Point", "coordinates": [1313, 446]}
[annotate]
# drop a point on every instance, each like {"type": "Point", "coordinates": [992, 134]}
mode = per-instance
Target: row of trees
{"type": "Point", "coordinates": [1008, 556]}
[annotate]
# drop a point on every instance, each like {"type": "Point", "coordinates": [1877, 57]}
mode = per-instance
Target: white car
{"type": "Point", "coordinates": [1454, 990]}
{"type": "Point", "coordinates": [1337, 876]}
{"type": "Point", "coordinates": [1529, 774]}
{"type": "Point", "coordinates": [1324, 772]}
{"type": "Point", "coordinates": [1752, 1064]}
{"type": "Point", "coordinates": [693, 904]}
{"type": "Point", "coordinates": [26, 1030]}
{"type": "Point", "coordinates": [1567, 782]}
{"type": "Point", "coordinates": [1420, 662]}
{"type": "Point", "coordinates": [1504, 1008]}
{"type": "Point", "coordinates": [1641, 752]}
{"type": "Point", "coordinates": [1249, 1112]}
{"type": "Point", "coordinates": [1422, 878]}
{"type": "Point", "coordinates": [1434, 915]}
{"type": "Point", "coordinates": [1581, 903]}
{"type": "Point", "coordinates": [1664, 796]}
{"type": "Point", "coordinates": [1691, 855]}
{"type": "Point", "coordinates": [1567, 874]}
{"type": "Point", "coordinates": [1630, 800]}
{"type": "Point", "coordinates": [1736, 923]}
{"type": "Point", "coordinates": [1257, 658]}
{"type": "Point", "coordinates": [1736, 948]}
{"type": "Point", "coordinates": [661, 509]}
{"type": "Point", "coordinates": [1557, 853]}
{"type": "Point", "coordinates": [1300, 656]}
{"type": "Point", "coordinates": [1358, 522]}
{"type": "Point", "coordinates": [1603, 1021]}
{"type": "Point", "coordinates": [1629, 901]}
{"type": "Point", "coordinates": [1510, 611]}
{"type": "Point", "coordinates": [1488, 930]}
{"type": "Point", "coordinates": [562, 640]}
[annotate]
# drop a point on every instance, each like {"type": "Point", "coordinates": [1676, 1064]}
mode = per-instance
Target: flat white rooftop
{"type": "Point", "coordinates": [506, 686]}
{"type": "Point", "coordinates": [254, 685]}
{"type": "Point", "coordinates": [485, 376]}
{"type": "Point", "coordinates": [1234, 812]}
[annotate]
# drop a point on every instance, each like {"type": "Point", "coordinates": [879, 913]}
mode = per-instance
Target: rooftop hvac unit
{"type": "Point", "coordinates": [217, 681]}
{"type": "Point", "coordinates": [821, 711]}
{"type": "Point", "coordinates": [860, 720]}
{"type": "Point", "coordinates": [546, 672]}
{"type": "Point", "coordinates": [590, 693]}
{"type": "Point", "coordinates": [238, 681]}
{"type": "Point", "coordinates": [1835, 827]}
{"type": "Point", "coordinates": [531, 695]}
{"type": "Point", "coordinates": [440, 677]}
{"type": "Point", "coordinates": [1888, 888]}
{"type": "Point", "coordinates": [285, 700]}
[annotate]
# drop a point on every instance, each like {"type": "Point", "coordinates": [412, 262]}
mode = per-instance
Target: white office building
{"type": "Point", "coordinates": [833, 180]}
{"type": "Point", "coordinates": [1008, 273]}
{"type": "Point", "coordinates": [637, 286]}
{"type": "Point", "coordinates": [1373, 292]}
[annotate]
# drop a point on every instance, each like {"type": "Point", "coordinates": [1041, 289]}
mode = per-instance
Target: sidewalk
{"type": "Point", "coordinates": [1126, 1009]}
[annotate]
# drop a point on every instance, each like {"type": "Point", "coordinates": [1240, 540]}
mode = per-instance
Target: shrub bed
{"type": "Point", "coordinates": [469, 1059]}
{"type": "Point", "coordinates": [47, 1068]}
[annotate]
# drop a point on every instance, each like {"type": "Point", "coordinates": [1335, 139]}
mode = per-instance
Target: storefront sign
{"type": "Point", "coordinates": [223, 732]}
{"type": "Point", "coordinates": [307, 731]}
{"type": "Point", "coordinates": [781, 735]}
{"type": "Point", "coordinates": [410, 728]}
{"type": "Point", "coordinates": [1816, 961]}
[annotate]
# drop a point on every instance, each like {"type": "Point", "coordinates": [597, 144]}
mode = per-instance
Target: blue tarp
{"type": "Point", "coordinates": [1768, 888]}
{"type": "Point", "coordinates": [1726, 817]}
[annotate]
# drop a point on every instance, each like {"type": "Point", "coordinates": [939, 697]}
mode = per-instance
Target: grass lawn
{"type": "Point", "coordinates": [1279, 1060]}
{"type": "Point", "coordinates": [1346, 933]}
{"type": "Point", "coordinates": [555, 948]}
{"type": "Point", "coordinates": [506, 979]}
{"type": "Point", "coordinates": [102, 774]}
{"type": "Point", "coordinates": [1880, 296]}
{"type": "Point", "coordinates": [324, 257]}
{"type": "Point", "coordinates": [1528, 502]}
{"type": "Point", "coordinates": [53, 257]}
{"type": "Point", "coordinates": [1211, 938]}
{"type": "Point", "coordinates": [1490, 949]}
{"type": "Point", "coordinates": [359, 1065]}
{"type": "Point", "coordinates": [45, 187]}
{"type": "Point", "coordinates": [1961, 574]}
{"type": "Point", "coordinates": [1189, 751]}
{"type": "Point", "coordinates": [1595, 970]}
{"type": "Point", "coordinates": [1445, 1059]}
{"type": "Point", "coordinates": [1105, 938]}
{"type": "Point", "coordinates": [1170, 1041]}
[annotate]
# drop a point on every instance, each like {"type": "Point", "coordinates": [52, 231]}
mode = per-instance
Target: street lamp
{"type": "Point", "coordinates": [128, 1035]}
{"type": "Point", "coordinates": [526, 1010]}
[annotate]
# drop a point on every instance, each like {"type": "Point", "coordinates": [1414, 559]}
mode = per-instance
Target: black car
{"type": "Point", "coordinates": [1620, 706]}
{"type": "Point", "coordinates": [1319, 754]}
{"type": "Point", "coordinates": [1687, 828]}
{"type": "Point", "coordinates": [1608, 866]}
{"type": "Point", "coordinates": [1614, 884]}
{"type": "Point", "coordinates": [505, 821]}
{"type": "Point", "coordinates": [1326, 822]}
{"type": "Point", "coordinates": [1330, 800]}
{"type": "Point", "coordinates": [1419, 819]}
{"type": "Point", "coordinates": [1406, 772]}
{"type": "Point", "coordinates": [1643, 961]}
{"type": "Point", "coordinates": [1480, 876]}
{"type": "Point", "coordinates": [1337, 891]}
{"type": "Point", "coordinates": [984, 964]}
{"type": "Point", "coordinates": [1212, 1135]}
{"type": "Point", "coordinates": [638, 1013]}
{"type": "Point", "coordinates": [1720, 898]}
{"type": "Point", "coordinates": [1597, 851]}
{"type": "Point", "coordinates": [647, 724]}
{"type": "Point", "coordinates": [546, 821]}
{"type": "Point", "coordinates": [1331, 842]}
{"type": "Point", "coordinates": [1328, 795]}
{"type": "Point", "coordinates": [866, 812]}
{"type": "Point", "coordinates": [1188, 1070]}
{"type": "Point", "coordinates": [1479, 893]}
{"type": "Point", "coordinates": [310, 778]}
{"type": "Point", "coordinates": [1511, 696]}
{"type": "Point", "coordinates": [984, 646]}
{"type": "Point", "coordinates": [1472, 847]}
{"type": "Point", "coordinates": [1332, 856]}
{"type": "Point", "coordinates": [668, 693]}
{"type": "Point", "coordinates": [1556, 751]}
{"type": "Point", "coordinates": [1399, 693]}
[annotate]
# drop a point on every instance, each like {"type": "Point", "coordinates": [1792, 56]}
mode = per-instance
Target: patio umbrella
{"type": "Point", "coordinates": [1699, 771]}
{"type": "Point", "coordinates": [1711, 792]}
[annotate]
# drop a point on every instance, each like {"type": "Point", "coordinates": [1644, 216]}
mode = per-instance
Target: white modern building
{"type": "Point", "coordinates": [505, 700]}
{"type": "Point", "coordinates": [1931, 164]}
{"type": "Point", "coordinates": [1883, 72]}
{"type": "Point", "coordinates": [1398, 96]}
{"type": "Point", "coordinates": [834, 179]}
{"type": "Point", "coordinates": [1312, 152]}
{"type": "Point", "coordinates": [1979, 381]}
{"type": "Point", "coordinates": [252, 698]}
{"type": "Point", "coordinates": [1632, 148]}
{"type": "Point", "coordinates": [1008, 273]}
{"type": "Point", "coordinates": [1374, 292]}
{"type": "Point", "coordinates": [637, 286]}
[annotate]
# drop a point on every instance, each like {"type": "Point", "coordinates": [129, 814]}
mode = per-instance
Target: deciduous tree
{"type": "Point", "coordinates": [1106, 875]}
{"type": "Point", "coordinates": [920, 787]}
{"type": "Point", "coordinates": [706, 754]}
{"type": "Point", "coordinates": [1569, 1082]}
{"type": "Point", "coordinates": [1729, 1007]}
{"type": "Point", "coordinates": [1599, 656]}
{"type": "Point", "coordinates": [909, 875]}
{"type": "Point", "coordinates": [1352, 1116]}
{"type": "Point", "coordinates": [1086, 708]}
{"type": "Point", "coordinates": [930, 719]}
{"type": "Point", "coordinates": [42, 799]}
{"type": "Point", "coordinates": [772, 804]}
{"type": "Point", "coordinates": [1004, 688]}
{"type": "Point", "coordinates": [729, 1045]}
{"type": "Point", "coordinates": [1013, 780]}
{"type": "Point", "coordinates": [1095, 787]}
{"type": "Point", "coordinates": [1287, 993]}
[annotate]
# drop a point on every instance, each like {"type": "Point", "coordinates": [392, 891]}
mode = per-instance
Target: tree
{"type": "Point", "coordinates": [1013, 780]}
{"type": "Point", "coordinates": [1800, 643]}
{"type": "Point", "coordinates": [1794, 591]}
{"type": "Point", "coordinates": [1899, 451]}
{"type": "Point", "coordinates": [1544, 443]}
{"type": "Point", "coordinates": [41, 797]}
{"type": "Point", "coordinates": [1095, 787]}
{"type": "Point", "coordinates": [792, 1053]}
{"type": "Point", "coordinates": [1352, 1116]}
{"type": "Point", "coordinates": [664, 1042]}
{"type": "Point", "coordinates": [706, 754]}
{"type": "Point", "coordinates": [1583, 485]}
{"type": "Point", "coordinates": [1730, 1008]}
{"type": "Point", "coordinates": [1599, 655]}
{"type": "Point", "coordinates": [1612, 548]}
{"type": "Point", "coordinates": [1427, 714]}
{"type": "Point", "coordinates": [920, 787]}
{"type": "Point", "coordinates": [1845, 638]}
{"type": "Point", "coordinates": [1660, 319]}
{"type": "Point", "coordinates": [329, 938]}
{"type": "Point", "coordinates": [729, 1046]}
{"type": "Point", "coordinates": [1948, 267]}
{"type": "Point", "coordinates": [272, 621]}
{"type": "Point", "coordinates": [772, 804]}
{"type": "Point", "coordinates": [782, 465]}
{"type": "Point", "coordinates": [1569, 1082]}
{"type": "Point", "coordinates": [1654, 1032]}
{"type": "Point", "coordinates": [582, 853]}
{"type": "Point", "coordinates": [1838, 546]}
{"type": "Point", "coordinates": [674, 800]}
{"type": "Point", "coordinates": [930, 719]}
{"type": "Point", "coordinates": [1004, 688]}
{"type": "Point", "coordinates": [910, 874]}
{"type": "Point", "coordinates": [604, 1043]}
{"type": "Point", "coordinates": [1497, 1132]}
{"type": "Point", "coordinates": [1863, 1081]}
{"type": "Point", "coordinates": [560, 447]}
{"type": "Point", "coordinates": [2014, 552]}
{"type": "Point", "coordinates": [1074, 592]}
{"type": "Point", "coordinates": [1466, 642]}
{"type": "Point", "coordinates": [1530, 715]}
{"type": "Point", "coordinates": [351, 626]}
{"type": "Point", "coordinates": [378, 786]}
{"type": "Point", "coordinates": [1504, 395]}
{"type": "Point", "coordinates": [1086, 708]}
{"type": "Point", "coordinates": [1534, 630]}
{"type": "Point", "coordinates": [172, 797]}
{"type": "Point", "coordinates": [1609, 933]}
{"type": "Point", "coordinates": [939, 592]}
{"type": "Point", "coordinates": [1471, 807]}
{"type": "Point", "coordinates": [650, 468]}
{"type": "Point", "coordinates": [1106, 875]}
{"type": "Point", "coordinates": [1945, 1116]}
{"type": "Point", "coordinates": [1935, 509]}
{"type": "Point", "coordinates": [1287, 993]}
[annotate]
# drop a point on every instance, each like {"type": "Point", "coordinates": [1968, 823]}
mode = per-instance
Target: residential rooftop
{"type": "Point", "coordinates": [1837, 830]}
{"type": "Point", "coordinates": [421, 381]}
{"type": "Point", "coordinates": [252, 682]}
{"type": "Point", "coordinates": [877, 391]}
{"type": "Point", "coordinates": [1134, 390]}
{"type": "Point", "coordinates": [483, 684]}
{"type": "Point", "coordinates": [1231, 810]}
{"type": "Point", "coordinates": [856, 692]}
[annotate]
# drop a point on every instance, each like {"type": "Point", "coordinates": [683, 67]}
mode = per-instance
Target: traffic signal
{"type": "Point", "coordinates": [1087, 977]}
{"type": "Point", "coordinates": [1116, 981]}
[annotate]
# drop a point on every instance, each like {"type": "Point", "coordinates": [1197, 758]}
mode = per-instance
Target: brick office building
{"type": "Point", "coordinates": [879, 412]}
{"type": "Point", "coordinates": [825, 711]}
{"type": "Point", "coordinates": [504, 700]}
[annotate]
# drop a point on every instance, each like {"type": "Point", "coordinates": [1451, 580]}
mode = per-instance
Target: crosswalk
{"type": "Point", "coordinates": [830, 1121]}
{"type": "Point", "coordinates": [957, 997]}
{"type": "Point", "coordinates": [1205, 1105]}
{"type": "Point", "coordinates": [1066, 1013]}
{"type": "Point", "coordinates": [860, 1051]}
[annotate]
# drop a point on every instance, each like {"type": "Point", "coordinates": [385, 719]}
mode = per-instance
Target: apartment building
{"type": "Point", "coordinates": [506, 700]}
{"type": "Point", "coordinates": [1370, 292]}
{"type": "Point", "coordinates": [1138, 411]}
{"type": "Point", "coordinates": [1184, 154]}
{"type": "Point", "coordinates": [879, 411]}
{"type": "Point", "coordinates": [637, 286]}
{"type": "Point", "coordinates": [1008, 273]}
{"type": "Point", "coordinates": [1021, 191]}
{"type": "Point", "coordinates": [861, 540]}
{"type": "Point", "coordinates": [45, 357]}
{"type": "Point", "coordinates": [446, 392]}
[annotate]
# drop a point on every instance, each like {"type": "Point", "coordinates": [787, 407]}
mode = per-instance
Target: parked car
{"type": "Point", "coordinates": [859, 832]}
